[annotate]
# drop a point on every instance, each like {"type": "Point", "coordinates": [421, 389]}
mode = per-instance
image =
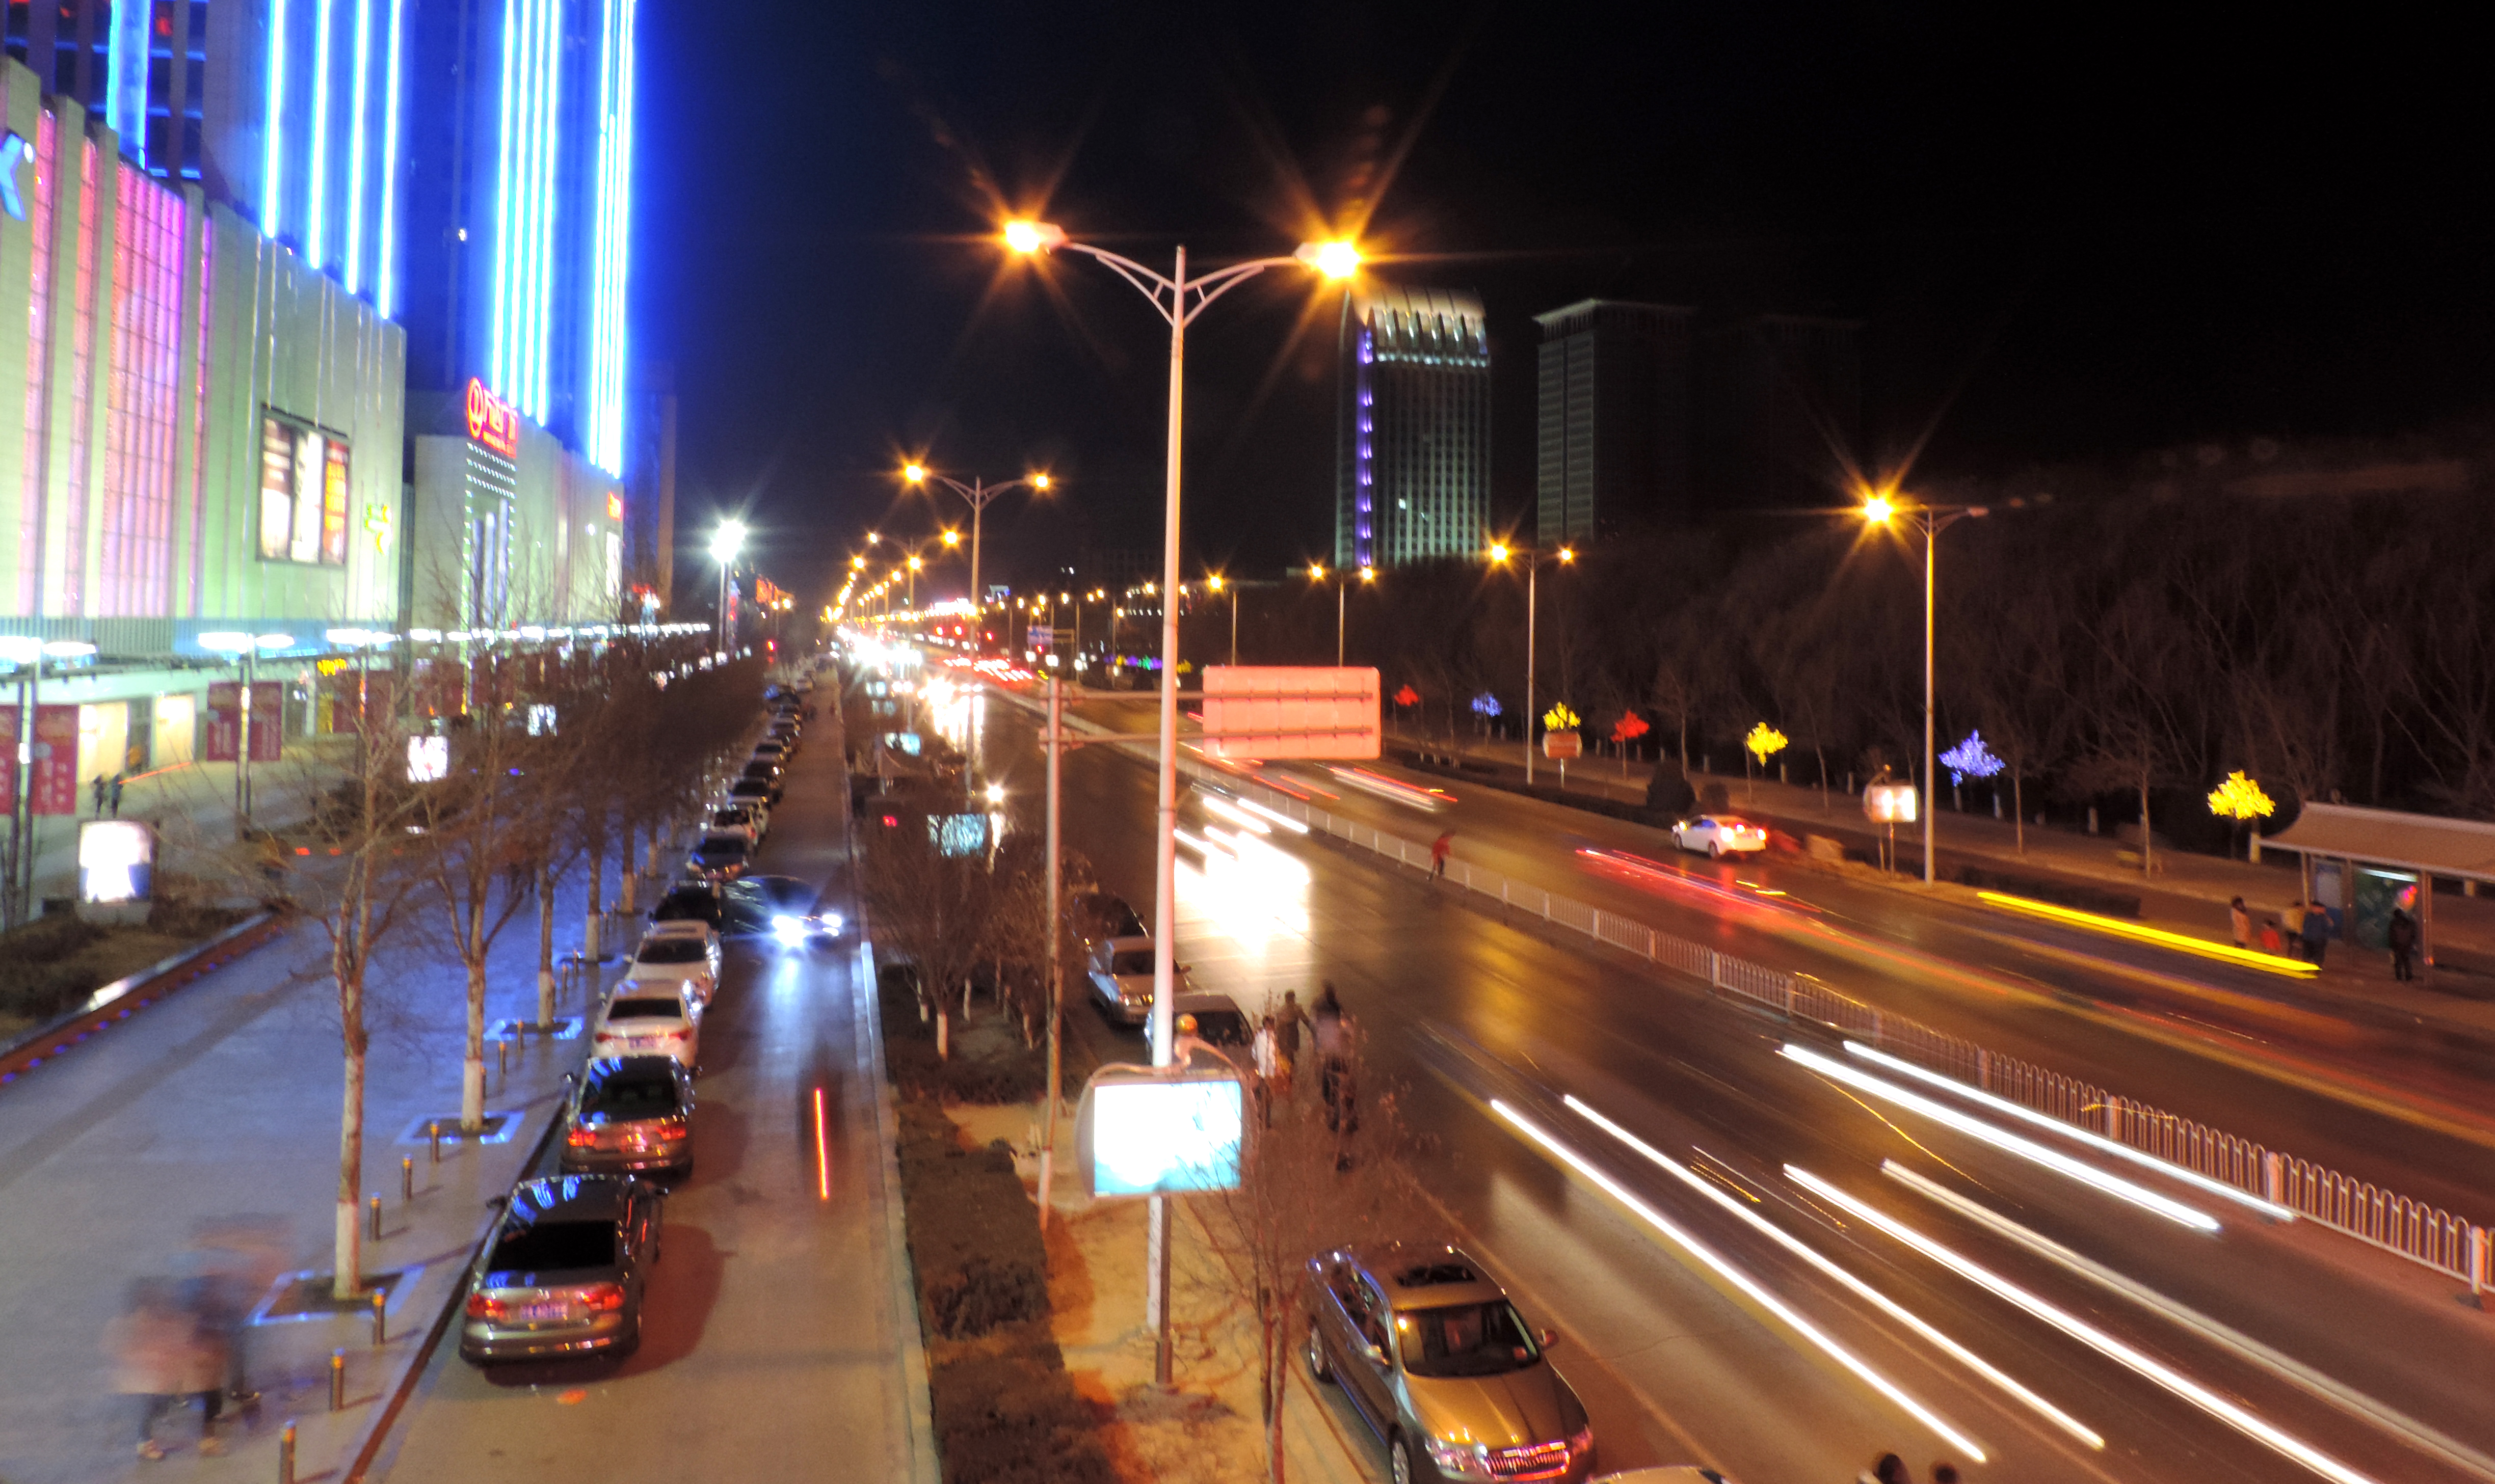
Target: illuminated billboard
{"type": "Point", "coordinates": [1139, 1132]}
{"type": "Point", "coordinates": [116, 858]}
{"type": "Point", "coordinates": [492, 421]}
{"type": "Point", "coordinates": [1290, 710]}
{"type": "Point", "coordinates": [303, 492]}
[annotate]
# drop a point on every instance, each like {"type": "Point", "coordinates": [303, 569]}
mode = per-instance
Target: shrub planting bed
{"type": "Point", "coordinates": [51, 964]}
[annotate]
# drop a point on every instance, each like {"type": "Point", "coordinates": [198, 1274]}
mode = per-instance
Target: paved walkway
{"type": "Point", "coordinates": [192, 806]}
{"type": "Point", "coordinates": [222, 1104]}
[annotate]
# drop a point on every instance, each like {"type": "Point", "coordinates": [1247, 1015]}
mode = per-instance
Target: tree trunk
{"type": "Point", "coordinates": [347, 1272]}
{"type": "Point", "coordinates": [545, 945]}
{"type": "Point", "coordinates": [593, 950]}
{"type": "Point", "coordinates": [472, 1069]}
{"type": "Point", "coordinates": [2018, 806]}
{"type": "Point", "coordinates": [2147, 856]}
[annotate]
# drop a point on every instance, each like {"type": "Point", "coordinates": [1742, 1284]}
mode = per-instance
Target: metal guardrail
{"type": "Point", "coordinates": [2411, 1229]}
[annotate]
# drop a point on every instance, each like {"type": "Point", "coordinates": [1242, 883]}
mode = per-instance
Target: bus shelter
{"type": "Point", "coordinates": [2366, 861]}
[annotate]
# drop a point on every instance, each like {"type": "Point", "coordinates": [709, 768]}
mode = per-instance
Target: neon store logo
{"type": "Point", "coordinates": [492, 421]}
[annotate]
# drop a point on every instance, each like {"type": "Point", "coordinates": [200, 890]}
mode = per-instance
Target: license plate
{"type": "Point", "coordinates": [538, 1314]}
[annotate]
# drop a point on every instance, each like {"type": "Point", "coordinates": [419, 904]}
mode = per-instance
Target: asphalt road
{"type": "Point", "coordinates": [769, 1349]}
{"type": "Point", "coordinates": [1679, 1362]}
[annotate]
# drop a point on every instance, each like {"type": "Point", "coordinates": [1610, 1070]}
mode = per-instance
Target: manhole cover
{"type": "Point", "coordinates": [499, 1128]}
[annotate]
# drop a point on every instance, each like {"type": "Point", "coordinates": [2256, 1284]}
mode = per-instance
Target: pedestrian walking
{"type": "Point", "coordinates": [2316, 932]}
{"type": "Point", "coordinates": [1267, 1058]}
{"type": "Point", "coordinates": [1890, 1470]}
{"type": "Point", "coordinates": [157, 1359]}
{"type": "Point", "coordinates": [1334, 1056]}
{"type": "Point", "coordinates": [98, 788]}
{"type": "Point", "coordinates": [116, 795]}
{"type": "Point", "coordinates": [2292, 921]}
{"type": "Point", "coordinates": [1288, 1023]}
{"type": "Point", "coordinates": [2402, 936]}
{"type": "Point", "coordinates": [2270, 941]}
{"type": "Point", "coordinates": [1944, 1473]}
{"type": "Point", "coordinates": [2241, 918]}
{"type": "Point", "coordinates": [1438, 850]}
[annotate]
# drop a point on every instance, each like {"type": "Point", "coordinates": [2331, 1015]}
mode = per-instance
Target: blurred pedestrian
{"type": "Point", "coordinates": [2316, 932]}
{"type": "Point", "coordinates": [2241, 918]}
{"type": "Point", "coordinates": [98, 788]}
{"type": "Point", "coordinates": [1890, 1470]}
{"type": "Point", "coordinates": [2294, 922]}
{"type": "Point", "coordinates": [2402, 935]}
{"type": "Point", "coordinates": [156, 1360]}
{"type": "Point", "coordinates": [114, 795]}
{"type": "Point", "coordinates": [1333, 1056]}
{"type": "Point", "coordinates": [1288, 1023]}
{"type": "Point", "coordinates": [2270, 941]}
{"type": "Point", "coordinates": [1268, 1062]}
{"type": "Point", "coordinates": [1945, 1473]}
{"type": "Point", "coordinates": [241, 1259]}
{"type": "Point", "coordinates": [1438, 851]}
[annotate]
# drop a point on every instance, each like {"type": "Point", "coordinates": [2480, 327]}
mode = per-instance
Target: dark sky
{"type": "Point", "coordinates": [2074, 233]}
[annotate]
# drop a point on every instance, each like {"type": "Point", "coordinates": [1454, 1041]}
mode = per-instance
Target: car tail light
{"type": "Point", "coordinates": [481, 1307]}
{"type": "Point", "coordinates": [673, 1131]}
{"type": "Point", "coordinates": [603, 1297]}
{"type": "Point", "coordinates": [1582, 1441]}
{"type": "Point", "coordinates": [580, 1139]}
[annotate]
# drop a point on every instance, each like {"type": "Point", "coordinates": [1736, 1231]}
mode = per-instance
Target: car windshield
{"type": "Point", "coordinates": [550, 1247]}
{"type": "Point", "coordinates": [1222, 1027]}
{"type": "Point", "coordinates": [1134, 960]}
{"type": "Point", "coordinates": [1466, 1340]}
{"type": "Point", "coordinates": [621, 1099]}
{"type": "Point", "coordinates": [750, 788]}
{"type": "Point", "coordinates": [673, 950]}
{"type": "Point", "coordinates": [720, 847]}
{"type": "Point", "coordinates": [645, 1010]}
{"type": "Point", "coordinates": [684, 904]}
{"type": "Point", "coordinates": [779, 891]}
{"type": "Point", "coordinates": [732, 819]}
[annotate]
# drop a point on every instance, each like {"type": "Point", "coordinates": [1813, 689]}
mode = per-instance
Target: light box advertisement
{"type": "Point", "coordinates": [116, 860]}
{"type": "Point", "coordinates": [1140, 1132]}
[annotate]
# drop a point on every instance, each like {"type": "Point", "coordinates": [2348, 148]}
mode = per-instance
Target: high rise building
{"type": "Point", "coordinates": [1412, 426]}
{"type": "Point", "coordinates": [1612, 450]}
{"type": "Point", "coordinates": [1780, 410]}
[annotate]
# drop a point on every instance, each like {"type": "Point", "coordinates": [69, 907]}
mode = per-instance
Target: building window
{"type": "Point", "coordinates": [302, 493]}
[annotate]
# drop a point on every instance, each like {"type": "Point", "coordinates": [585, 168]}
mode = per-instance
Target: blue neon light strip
{"type": "Point", "coordinates": [506, 233]}
{"type": "Point", "coordinates": [387, 300]}
{"type": "Point", "coordinates": [356, 150]}
{"type": "Point", "coordinates": [316, 211]}
{"type": "Point", "coordinates": [274, 144]}
{"type": "Point", "coordinates": [547, 210]}
{"type": "Point", "coordinates": [602, 243]}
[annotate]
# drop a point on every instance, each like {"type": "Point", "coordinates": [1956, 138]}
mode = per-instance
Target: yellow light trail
{"type": "Point", "coordinates": [2158, 937]}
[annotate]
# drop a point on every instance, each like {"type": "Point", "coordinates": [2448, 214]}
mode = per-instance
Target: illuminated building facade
{"type": "Point", "coordinates": [1613, 447]}
{"type": "Point", "coordinates": [1412, 427]}
{"type": "Point", "coordinates": [519, 206]}
{"type": "Point", "coordinates": [506, 526]}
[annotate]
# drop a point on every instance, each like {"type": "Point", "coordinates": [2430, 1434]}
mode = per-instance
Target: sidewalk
{"type": "Point", "coordinates": [2189, 894]}
{"type": "Point", "coordinates": [192, 806]}
{"type": "Point", "coordinates": [219, 1103]}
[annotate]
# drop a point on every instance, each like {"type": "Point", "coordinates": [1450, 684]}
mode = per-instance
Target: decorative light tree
{"type": "Point", "coordinates": [1764, 742]}
{"type": "Point", "coordinates": [1629, 728]}
{"type": "Point", "coordinates": [1970, 759]}
{"type": "Point", "coordinates": [2239, 799]}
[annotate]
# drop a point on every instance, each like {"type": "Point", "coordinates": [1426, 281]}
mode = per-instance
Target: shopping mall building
{"type": "Point", "coordinates": [215, 441]}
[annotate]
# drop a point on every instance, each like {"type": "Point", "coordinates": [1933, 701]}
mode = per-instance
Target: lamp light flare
{"type": "Point", "coordinates": [1040, 482]}
{"type": "Point", "coordinates": [1028, 237]}
{"type": "Point", "coordinates": [1334, 260]}
{"type": "Point", "coordinates": [1498, 551]}
{"type": "Point", "coordinates": [1878, 508]}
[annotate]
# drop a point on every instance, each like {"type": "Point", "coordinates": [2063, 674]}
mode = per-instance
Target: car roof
{"type": "Point", "coordinates": [1418, 1276]}
{"type": "Point", "coordinates": [568, 1197]}
{"type": "Point", "coordinates": [669, 989]}
{"type": "Point", "coordinates": [601, 1070]}
{"type": "Point", "coordinates": [1196, 1002]}
{"type": "Point", "coordinates": [678, 927]}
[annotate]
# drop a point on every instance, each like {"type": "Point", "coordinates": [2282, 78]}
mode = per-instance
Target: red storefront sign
{"type": "Point", "coordinates": [492, 421]}
{"type": "Point", "coordinates": [267, 720]}
{"type": "Point", "coordinates": [222, 743]}
{"type": "Point", "coordinates": [54, 782]}
{"type": "Point", "coordinates": [10, 719]}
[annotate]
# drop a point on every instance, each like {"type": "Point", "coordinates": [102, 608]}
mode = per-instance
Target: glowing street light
{"type": "Point", "coordinates": [725, 543]}
{"type": "Point", "coordinates": [1499, 554]}
{"type": "Point", "coordinates": [979, 493]}
{"type": "Point", "coordinates": [1887, 509]}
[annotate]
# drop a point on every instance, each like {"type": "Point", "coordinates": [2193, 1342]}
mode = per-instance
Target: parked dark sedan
{"type": "Point", "coordinates": [736, 909]}
{"type": "Point", "coordinates": [565, 1272]}
{"type": "Point", "coordinates": [629, 1114]}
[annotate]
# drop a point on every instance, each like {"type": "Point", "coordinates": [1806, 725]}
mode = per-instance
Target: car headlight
{"type": "Point", "coordinates": [789, 928]}
{"type": "Point", "coordinates": [1459, 1457]}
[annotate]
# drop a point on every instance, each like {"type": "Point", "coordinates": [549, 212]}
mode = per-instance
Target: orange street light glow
{"type": "Point", "coordinates": [1498, 551]}
{"type": "Point", "coordinates": [1878, 508]}
{"type": "Point", "coordinates": [2140, 932]}
{"type": "Point", "coordinates": [1040, 482]}
{"type": "Point", "coordinates": [1028, 237]}
{"type": "Point", "coordinates": [1334, 259]}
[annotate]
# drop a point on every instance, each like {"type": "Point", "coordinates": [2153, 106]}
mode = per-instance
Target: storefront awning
{"type": "Point", "coordinates": [2417, 842]}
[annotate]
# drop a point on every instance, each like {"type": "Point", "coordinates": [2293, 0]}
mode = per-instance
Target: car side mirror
{"type": "Point", "coordinates": [1550, 1338]}
{"type": "Point", "coordinates": [1376, 1353]}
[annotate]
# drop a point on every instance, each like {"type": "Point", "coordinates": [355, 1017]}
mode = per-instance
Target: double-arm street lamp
{"type": "Point", "coordinates": [1500, 554]}
{"type": "Point", "coordinates": [725, 544]}
{"type": "Point", "coordinates": [1216, 582]}
{"type": "Point", "coordinates": [1179, 299]}
{"type": "Point", "coordinates": [1341, 586]}
{"type": "Point", "coordinates": [1891, 510]}
{"type": "Point", "coordinates": [978, 494]}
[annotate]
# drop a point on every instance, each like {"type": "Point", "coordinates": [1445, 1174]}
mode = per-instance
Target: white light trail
{"type": "Point", "coordinates": [2229, 1412]}
{"type": "Point", "coordinates": [1748, 1285]}
{"type": "Point", "coordinates": [2097, 1141]}
{"type": "Point", "coordinates": [1235, 814]}
{"type": "Point", "coordinates": [1275, 815]}
{"type": "Point", "coordinates": [1887, 1305]}
{"type": "Point", "coordinates": [2003, 1139]}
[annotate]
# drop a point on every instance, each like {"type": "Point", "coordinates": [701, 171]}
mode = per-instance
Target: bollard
{"type": "Point", "coordinates": [407, 1177]}
{"type": "Point", "coordinates": [501, 1061]}
{"type": "Point", "coordinates": [286, 1454]}
{"type": "Point", "coordinates": [337, 1381]}
{"type": "Point", "coordinates": [377, 1217]}
{"type": "Point", "coordinates": [433, 1131]}
{"type": "Point", "coordinates": [381, 1316]}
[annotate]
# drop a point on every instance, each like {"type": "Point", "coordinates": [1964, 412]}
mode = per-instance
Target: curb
{"type": "Point", "coordinates": [124, 997]}
{"type": "Point", "coordinates": [924, 1466]}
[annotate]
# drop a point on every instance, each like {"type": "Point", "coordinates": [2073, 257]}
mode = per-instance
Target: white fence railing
{"type": "Point", "coordinates": [2419, 1232]}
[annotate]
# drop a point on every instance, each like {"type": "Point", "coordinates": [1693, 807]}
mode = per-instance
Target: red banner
{"type": "Point", "coordinates": [9, 720]}
{"type": "Point", "coordinates": [222, 742]}
{"type": "Point", "coordinates": [54, 784]}
{"type": "Point", "coordinates": [267, 720]}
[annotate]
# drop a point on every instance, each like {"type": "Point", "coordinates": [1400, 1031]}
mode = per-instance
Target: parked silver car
{"type": "Point", "coordinates": [1434, 1357]}
{"type": "Point", "coordinates": [630, 1115]}
{"type": "Point", "coordinates": [565, 1271]}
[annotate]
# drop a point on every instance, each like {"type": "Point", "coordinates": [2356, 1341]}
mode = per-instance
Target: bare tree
{"type": "Point", "coordinates": [930, 905]}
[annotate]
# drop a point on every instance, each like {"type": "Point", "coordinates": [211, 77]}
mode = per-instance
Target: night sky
{"type": "Point", "coordinates": [2073, 236]}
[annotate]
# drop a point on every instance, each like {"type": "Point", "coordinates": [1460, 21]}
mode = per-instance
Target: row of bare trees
{"type": "Point", "coordinates": [2108, 649]}
{"type": "Point", "coordinates": [552, 765]}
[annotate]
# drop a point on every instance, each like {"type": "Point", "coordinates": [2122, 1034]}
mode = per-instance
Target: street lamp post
{"type": "Point", "coordinates": [1216, 582]}
{"type": "Point", "coordinates": [724, 545]}
{"type": "Point", "coordinates": [978, 492]}
{"type": "Point", "coordinates": [1177, 299]}
{"type": "Point", "coordinates": [1931, 521]}
{"type": "Point", "coordinates": [1499, 552]}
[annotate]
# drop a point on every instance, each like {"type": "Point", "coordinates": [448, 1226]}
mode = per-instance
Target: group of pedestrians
{"type": "Point", "coordinates": [1275, 1056]}
{"type": "Point", "coordinates": [107, 793]}
{"type": "Point", "coordinates": [2306, 930]}
{"type": "Point", "coordinates": [1893, 1470]}
{"type": "Point", "coordinates": [179, 1341]}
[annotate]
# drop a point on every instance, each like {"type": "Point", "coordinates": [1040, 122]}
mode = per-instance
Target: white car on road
{"type": "Point", "coordinates": [1720, 835]}
{"type": "Point", "coordinates": [685, 951]}
{"type": "Point", "coordinates": [658, 1018]}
